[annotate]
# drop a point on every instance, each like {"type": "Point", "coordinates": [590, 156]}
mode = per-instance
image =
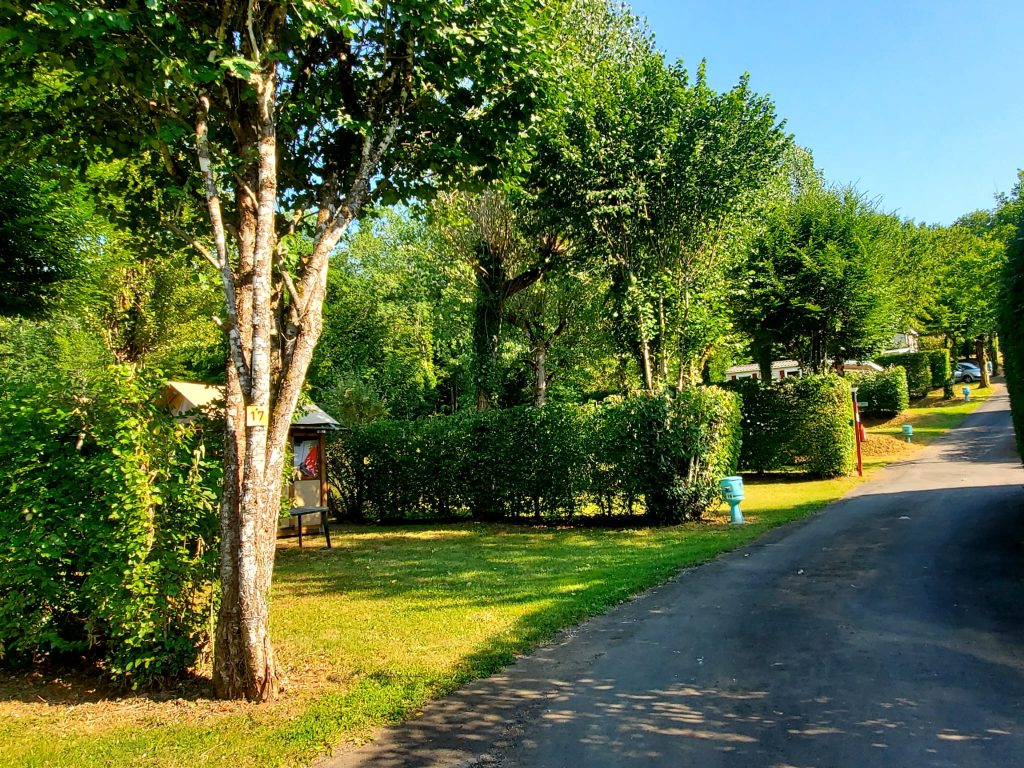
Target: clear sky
{"type": "Point", "coordinates": [919, 104]}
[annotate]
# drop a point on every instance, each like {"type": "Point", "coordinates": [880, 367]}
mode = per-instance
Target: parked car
{"type": "Point", "coordinates": [988, 364]}
{"type": "Point", "coordinates": [966, 372]}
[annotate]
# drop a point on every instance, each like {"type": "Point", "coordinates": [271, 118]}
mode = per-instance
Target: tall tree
{"type": "Point", "coordinates": [500, 241]}
{"type": "Point", "coordinates": [818, 282]}
{"type": "Point", "coordinates": [1000, 225]}
{"type": "Point", "coordinates": [552, 315]}
{"type": "Point", "coordinates": [730, 149]}
{"type": "Point", "coordinates": [656, 172]}
{"type": "Point", "coordinates": [515, 233]}
{"type": "Point", "coordinates": [967, 268]}
{"type": "Point", "coordinates": [44, 239]}
{"type": "Point", "coordinates": [280, 118]}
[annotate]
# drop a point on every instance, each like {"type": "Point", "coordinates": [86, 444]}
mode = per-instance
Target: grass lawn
{"type": "Point", "coordinates": [392, 617]}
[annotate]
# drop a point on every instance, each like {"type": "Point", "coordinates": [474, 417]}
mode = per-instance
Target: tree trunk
{"type": "Point", "coordinates": [645, 362]}
{"type": "Point", "coordinates": [993, 353]}
{"type": "Point", "coordinates": [244, 664]}
{"type": "Point", "coordinates": [763, 355]}
{"type": "Point", "coordinates": [662, 357]}
{"type": "Point", "coordinates": [486, 333]}
{"type": "Point", "coordinates": [981, 354]}
{"type": "Point", "coordinates": [817, 352]}
{"type": "Point", "coordinates": [270, 348]}
{"type": "Point", "coordinates": [229, 672]}
{"type": "Point", "coordinates": [540, 375]}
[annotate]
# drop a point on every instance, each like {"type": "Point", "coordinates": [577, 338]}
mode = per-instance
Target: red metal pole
{"type": "Point", "coordinates": [856, 433]}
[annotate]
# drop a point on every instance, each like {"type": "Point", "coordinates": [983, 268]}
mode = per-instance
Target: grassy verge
{"type": "Point", "coordinates": [930, 417]}
{"type": "Point", "coordinates": [390, 618]}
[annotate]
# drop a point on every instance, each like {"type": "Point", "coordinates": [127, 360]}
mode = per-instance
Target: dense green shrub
{"type": "Point", "coordinates": [1011, 329]}
{"type": "Point", "coordinates": [110, 519]}
{"type": "Point", "coordinates": [670, 452]}
{"type": "Point", "coordinates": [797, 423]}
{"type": "Point", "coordinates": [885, 392]}
{"type": "Point", "coordinates": [659, 454]}
{"type": "Point", "coordinates": [403, 469]}
{"type": "Point", "coordinates": [527, 461]}
{"type": "Point", "coordinates": [918, 366]}
{"type": "Point", "coordinates": [940, 366]}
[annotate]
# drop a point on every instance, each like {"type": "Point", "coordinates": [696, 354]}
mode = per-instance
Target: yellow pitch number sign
{"type": "Point", "coordinates": [256, 416]}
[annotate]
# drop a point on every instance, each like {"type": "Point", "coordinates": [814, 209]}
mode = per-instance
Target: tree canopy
{"type": "Point", "coordinates": [818, 284]}
{"type": "Point", "coordinates": [43, 241]}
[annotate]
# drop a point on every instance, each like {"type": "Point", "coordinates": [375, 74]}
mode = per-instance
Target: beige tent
{"type": "Point", "coordinates": [180, 397]}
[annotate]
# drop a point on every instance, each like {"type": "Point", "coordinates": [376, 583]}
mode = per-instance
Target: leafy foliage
{"type": "Point", "coordinates": [666, 454]}
{"type": "Point", "coordinates": [918, 367]}
{"type": "Point", "coordinates": [1011, 315]}
{"type": "Point", "coordinates": [42, 241]}
{"type": "Point", "coordinates": [885, 392]}
{"type": "Point", "coordinates": [797, 423]}
{"type": "Point", "coordinates": [671, 451]}
{"type": "Point", "coordinates": [110, 509]}
{"type": "Point", "coordinates": [396, 319]}
{"type": "Point", "coordinates": [819, 282]}
{"type": "Point", "coordinates": [655, 175]}
{"type": "Point", "coordinates": [940, 366]}
{"type": "Point", "coordinates": [966, 268]}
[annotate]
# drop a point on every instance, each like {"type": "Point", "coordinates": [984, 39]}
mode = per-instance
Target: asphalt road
{"type": "Point", "coordinates": [886, 631]}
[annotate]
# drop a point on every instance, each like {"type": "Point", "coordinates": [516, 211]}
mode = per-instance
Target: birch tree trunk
{"type": "Point", "coordinates": [271, 346]}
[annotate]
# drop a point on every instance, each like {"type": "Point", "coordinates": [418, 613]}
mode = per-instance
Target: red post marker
{"type": "Point", "coordinates": [858, 432]}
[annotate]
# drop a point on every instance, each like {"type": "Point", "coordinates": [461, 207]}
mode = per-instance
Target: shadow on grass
{"type": "Point", "coordinates": [67, 684]}
{"type": "Point", "coordinates": [959, 619]}
{"type": "Point", "coordinates": [556, 578]}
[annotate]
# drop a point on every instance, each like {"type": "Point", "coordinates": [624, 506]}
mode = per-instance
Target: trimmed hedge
{"type": "Point", "coordinates": [662, 455]}
{"type": "Point", "coordinates": [1011, 329]}
{"type": "Point", "coordinates": [885, 392]}
{"type": "Point", "coordinates": [918, 366]}
{"type": "Point", "coordinates": [671, 452]}
{"type": "Point", "coordinates": [110, 516]}
{"type": "Point", "coordinates": [797, 423]}
{"type": "Point", "coordinates": [941, 367]}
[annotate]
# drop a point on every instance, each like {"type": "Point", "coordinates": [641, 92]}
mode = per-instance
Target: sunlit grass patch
{"type": "Point", "coordinates": [391, 617]}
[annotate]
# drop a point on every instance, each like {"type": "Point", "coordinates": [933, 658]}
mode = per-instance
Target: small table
{"type": "Point", "coordinates": [298, 512]}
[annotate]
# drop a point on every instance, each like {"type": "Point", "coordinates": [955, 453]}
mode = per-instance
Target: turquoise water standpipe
{"type": "Point", "coordinates": [732, 492]}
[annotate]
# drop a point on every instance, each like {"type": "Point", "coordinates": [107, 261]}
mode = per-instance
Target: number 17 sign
{"type": "Point", "coordinates": [256, 416]}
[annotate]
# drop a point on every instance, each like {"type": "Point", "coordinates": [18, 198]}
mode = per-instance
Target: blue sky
{"type": "Point", "coordinates": [919, 104]}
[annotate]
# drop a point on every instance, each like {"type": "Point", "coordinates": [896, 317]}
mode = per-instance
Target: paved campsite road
{"type": "Point", "coordinates": [887, 631]}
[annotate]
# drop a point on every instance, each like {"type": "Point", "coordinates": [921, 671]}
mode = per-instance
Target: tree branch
{"type": "Point", "coordinates": [191, 240]}
{"type": "Point", "coordinates": [222, 263]}
{"type": "Point", "coordinates": [524, 280]}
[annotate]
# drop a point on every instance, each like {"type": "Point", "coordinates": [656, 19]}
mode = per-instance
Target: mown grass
{"type": "Point", "coordinates": [389, 618]}
{"type": "Point", "coordinates": [933, 416]}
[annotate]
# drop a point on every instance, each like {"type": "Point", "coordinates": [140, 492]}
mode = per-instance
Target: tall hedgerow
{"type": "Point", "coordinates": [801, 424]}
{"type": "Point", "coordinates": [659, 455]}
{"type": "Point", "coordinates": [918, 366]}
{"type": "Point", "coordinates": [941, 367]}
{"type": "Point", "coordinates": [1011, 328]}
{"type": "Point", "coordinates": [110, 519]}
{"type": "Point", "coordinates": [884, 392]}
